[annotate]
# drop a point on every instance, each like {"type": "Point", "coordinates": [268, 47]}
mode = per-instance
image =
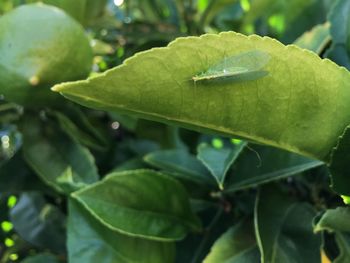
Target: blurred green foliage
{"type": "Point", "coordinates": [47, 154]}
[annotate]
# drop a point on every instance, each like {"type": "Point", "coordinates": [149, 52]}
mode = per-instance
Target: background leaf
{"type": "Point", "coordinates": [160, 211]}
{"type": "Point", "coordinates": [180, 163]}
{"type": "Point", "coordinates": [340, 163]}
{"type": "Point", "coordinates": [90, 241]}
{"type": "Point", "coordinates": [41, 258]}
{"type": "Point", "coordinates": [340, 32]}
{"type": "Point", "coordinates": [262, 164]}
{"type": "Point", "coordinates": [337, 221]}
{"type": "Point", "coordinates": [37, 222]}
{"type": "Point", "coordinates": [52, 154]}
{"type": "Point", "coordinates": [236, 245]}
{"type": "Point", "coordinates": [284, 228]}
{"type": "Point", "coordinates": [334, 220]}
{"type": "Point", "coordinates": [218, 161]}
{"type": "Point", "coordinates": [316, 39]}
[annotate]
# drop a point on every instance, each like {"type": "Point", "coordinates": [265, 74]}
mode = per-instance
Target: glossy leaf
{"type": "Point", "coordinates": [279, 109]}
{"type": "Point", "coordinates": [89, 241]}
{"type": "Point", "coordinates": [180, 163]}
{"type": "Point", "coordinates": [38, 222]}
{"type": "Point", "coordinates": [237, 245]}
{"type": "Point", "coordinates": [262, 164]}
{"type": "Point", "coordinates": [140, 203]}
{"type": "Point", "coordinates": [316, 39]}
{"type": "Point", "coordinates": [218, 161]}
{"type": "Point", "coordinates": [51, 154]}
{"type": "Point", "coordinates": [334, 220]}
{"type": "Point", "coordinates": [284, 228]}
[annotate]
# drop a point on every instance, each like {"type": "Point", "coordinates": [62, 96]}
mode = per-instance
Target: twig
{"type": "Point", "coordinates": [207, 231]}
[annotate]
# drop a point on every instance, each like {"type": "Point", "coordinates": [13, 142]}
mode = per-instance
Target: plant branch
{"type": "Point", "coordinates": [205, 238]}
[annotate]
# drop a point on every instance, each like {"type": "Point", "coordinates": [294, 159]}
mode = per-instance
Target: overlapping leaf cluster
{"type": "Point", "coordinates": [162, 173]}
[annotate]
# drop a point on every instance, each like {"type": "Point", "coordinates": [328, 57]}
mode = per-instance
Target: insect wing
{"type": "Point", "coordinates": [250, 61]}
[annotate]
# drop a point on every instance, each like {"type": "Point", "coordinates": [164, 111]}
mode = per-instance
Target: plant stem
{"type": "Point", "coordinates": [205, 238]}
{"type": "Point", "coordinates": [205, 14]}
{"type": "Point", "coordinates": [8, 106]}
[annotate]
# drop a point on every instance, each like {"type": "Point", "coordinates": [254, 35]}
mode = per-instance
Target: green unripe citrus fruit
{"type": "Point", "coordinates": [40, 46]}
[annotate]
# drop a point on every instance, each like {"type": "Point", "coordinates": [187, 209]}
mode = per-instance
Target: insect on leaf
{"type": "Point", "coordinates": [241, 67]}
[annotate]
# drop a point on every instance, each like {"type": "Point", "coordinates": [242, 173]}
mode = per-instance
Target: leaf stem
{"type": "Point", "coordinates": [205, 14]}
{"type": "Point", "coordinates": [8, 106]}
{"type": "Point", "coordinates": [205, 238]}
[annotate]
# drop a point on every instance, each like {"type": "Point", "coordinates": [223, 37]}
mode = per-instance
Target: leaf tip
{"type": "Point", "coordinates": [57, 88]}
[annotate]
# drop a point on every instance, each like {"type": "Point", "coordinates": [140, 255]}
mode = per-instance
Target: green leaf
{"type": "Point", "coordinates": [262, 164]}
{"type": "Point", "coordinates": [279, 109]}
{"type": "Point", "coordinates": [89, 241]}
{"type": "Point", "coordinates": [131, 164]}
{"type": "Point", "coordinates": [16, 176]}
{"type": "Point", "coordinates": [74, 8]}
{"type": "Point", "coordinates": [338, 221]}
{"type": "Point", "coordinates": [316, 39]}
{"type": "Point", "coordinates": [343, 241]}
{"type": "Point", "coordinates": [141, 203]}
{"type": "Point", "coordinates": [51, 154]}
{"type": "Point", "coordinates": [38, 222]}
{"type": "Point", "coordinates": [77, 134]}
{"type": "Point", "coordinates": [214, 8]}
{"type": "Point", "coordinates": [237, 245]}
{"type": "Point", "coordinates": [284, 228]}
{"type": "Point", "coordinates": [340, 32]}
{"type": "Point", "coordinates": [340, 163]}
{"type": "Point", "coordinates": [180, 163]}
{"type": "Point", "coordinates": [218, 161]}
{"type": "Point", "coordinates": [334, 220]}
{"type": "Point", "coordinates": [41, 258]}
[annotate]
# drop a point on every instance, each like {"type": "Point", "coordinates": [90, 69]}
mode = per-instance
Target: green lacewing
{"type": "Point", "coordinates": [242, 67]}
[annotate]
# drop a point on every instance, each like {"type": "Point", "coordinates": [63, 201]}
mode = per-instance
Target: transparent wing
{"type": "Point", "coordinates": [250, 61]}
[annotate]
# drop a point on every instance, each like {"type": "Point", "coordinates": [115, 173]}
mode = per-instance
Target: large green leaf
{"type": "Point", "coordinates": [262, 164]}
{"type": "Point", "coordinates": [237, 245]}
{"type": "Point", "coordinates": [284, 228]}
{"type": "Point", "coordinates": [55, 157]}
{"type": "Point", "coordinates": [289, 108]}
{"type": "Point", "coordinates": [89, 241]}
{"type": "Point", "coordinates": [218, 161]}
{"type": "Point", "coordinates": [141, 203]}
